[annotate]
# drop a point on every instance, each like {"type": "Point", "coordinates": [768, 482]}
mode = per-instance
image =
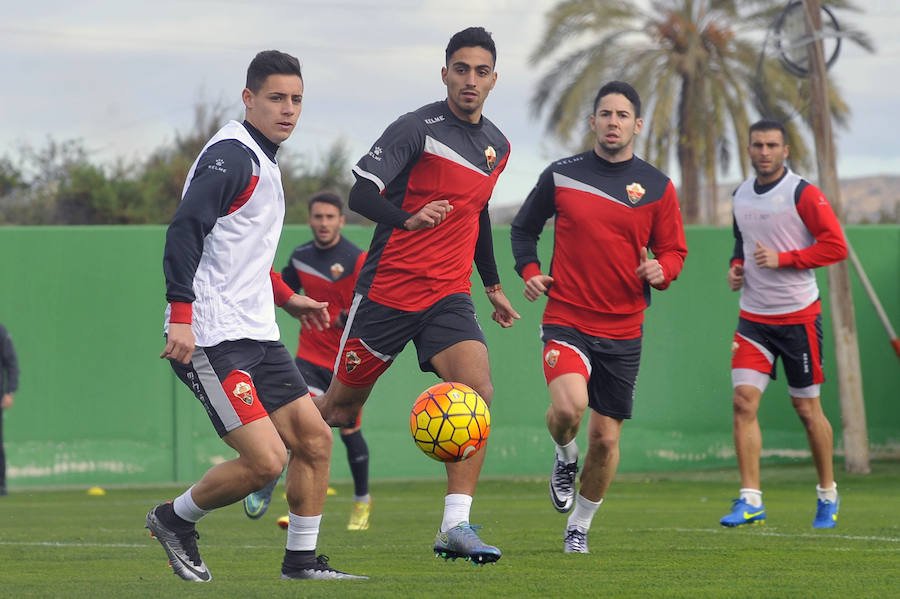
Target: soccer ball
{"type": "Point", "coordinates": [450, 422]}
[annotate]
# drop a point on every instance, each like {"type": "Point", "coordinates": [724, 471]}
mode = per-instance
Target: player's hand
{"type": "Point", "coordinates": [537, 286]}
{"type": "Point", "coordinates": [736, 277]}
{"type": "Point", "coordinates": [765, 257]}
{"type": "Point", "coordinates": [650, 270]}
{"type": "Point", "coordinates": [429, 216]}
{"type": "Point", "coordinates": [504, 314]}
{"type": "Point", "coordinates": [6, 401]}
{"type": "Point", "coordinates": [179, 343]}
{"type": "Point", "coordinates": [310, 313]}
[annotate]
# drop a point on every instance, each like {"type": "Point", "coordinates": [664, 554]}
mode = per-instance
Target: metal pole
{"type": "Point", "coordinates": [846, 344]}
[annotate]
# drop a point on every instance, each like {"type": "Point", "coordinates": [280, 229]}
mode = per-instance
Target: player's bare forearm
{"type": "Point", "coordinates": [504, 314]}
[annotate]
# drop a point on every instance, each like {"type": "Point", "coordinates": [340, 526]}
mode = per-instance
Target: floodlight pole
{"type": "Point", "coordinates": [846, 343]}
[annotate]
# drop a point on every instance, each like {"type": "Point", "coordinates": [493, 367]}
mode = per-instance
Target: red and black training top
{"type": "Point", "coordinates": [605, 213]}
{"type": "Point", "coordinates": [326, 275]}
{"type": "Point", "coordinates": [428, 155]}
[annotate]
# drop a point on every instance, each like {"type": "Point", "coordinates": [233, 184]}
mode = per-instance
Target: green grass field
{"type": "Point", "coordinates": [655, 536]}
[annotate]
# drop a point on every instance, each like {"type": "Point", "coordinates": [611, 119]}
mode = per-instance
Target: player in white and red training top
{"type": "Point", "coordinates": [426, 182]}
{"type": "Point", "coordinates": [222, 339]}
{"type": "Point", "coordinates": [610, 206]}
{"type": "Point", "coordinates": [783, 228]}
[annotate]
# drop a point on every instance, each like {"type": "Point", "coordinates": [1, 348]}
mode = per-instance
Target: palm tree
{"type": "Point", "coordinates": [699, 67]}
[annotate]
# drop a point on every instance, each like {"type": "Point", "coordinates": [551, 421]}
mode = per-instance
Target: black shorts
{"type": "Point", "coordinates": [241, 381]}
{"type": "Point", "coordinates": [317, 378]}
{"type": "Point", "coordinates": [376, 334]}
{"type": "Point", "coordinates": [757, 346]}
{"type": "Point", "coordinates": [610, 366]}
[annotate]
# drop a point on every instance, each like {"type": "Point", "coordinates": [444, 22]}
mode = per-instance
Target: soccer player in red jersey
{"type": "Point", "coordinates": [784, 227]}
{"type": "Point", "coordinates": [426, 182]}
{"type": "Point", "coordinates": [609, 207]}
{"type": "Point", "coordinates": [326, 268]}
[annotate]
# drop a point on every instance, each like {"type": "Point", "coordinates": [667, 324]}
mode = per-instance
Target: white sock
{"type": "Point", "coordinates": [303, 532]}
{"type": "Point", "coordinates": [456, 510]}
{"type": "Point", "coordinates": [567, 453]}
{"type": "Point", "coordinates": [752, 497]}
{"type": "Point", "coordinates": [583, 512]}
{"type": "Point", "coordinates": [186, 509]}
{"type": "Point", "coordinates": [362, 498]}
{"type": "Point", "coordinates": [827, 494]}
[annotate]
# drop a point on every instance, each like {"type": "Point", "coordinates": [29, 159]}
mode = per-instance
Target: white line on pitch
{"type": "Point", "coordinates": [772, 534]}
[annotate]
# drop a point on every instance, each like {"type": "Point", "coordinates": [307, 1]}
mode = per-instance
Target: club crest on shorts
{"type": "Point", "coordinates": [551, 357]}
{"type": "Point", "coordinates": [351, 361]}
{"type": "Point", "coordinates": [337, 269]}
{"type": "Point", "coordinates": [244, 392]}
{"type": "Point", "coordinates": [635, 192]}
{"type": "Point", "coordinates": [734, 347]}
{"type": "Point", "coordinates": [490, 154]}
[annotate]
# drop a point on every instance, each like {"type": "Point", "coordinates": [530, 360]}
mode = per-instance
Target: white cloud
{"type": "Point", "coordinates": [124, 76]}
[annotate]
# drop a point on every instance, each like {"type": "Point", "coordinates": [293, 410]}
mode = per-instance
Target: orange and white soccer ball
{"type": "Point", "coordinates": [450, 422]}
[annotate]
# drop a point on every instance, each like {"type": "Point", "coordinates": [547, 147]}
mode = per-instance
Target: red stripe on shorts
{"type": "Point", "coordinates": [241, 392]}
{"type": "Point", "coordinates": [812, 338]}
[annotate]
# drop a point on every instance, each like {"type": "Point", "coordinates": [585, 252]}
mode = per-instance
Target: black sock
{"type": "Point", "coordinates": [298, 559]}
{"type": "Point", "coordinates": [358, 458]}
{"type": "Point", "coordinates": [166, 513]}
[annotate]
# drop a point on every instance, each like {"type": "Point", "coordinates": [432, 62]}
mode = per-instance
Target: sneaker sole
{"type": "Point", "coordinates": [486, 557]}
{"type": "Point", "coordinates": [743, 524]}
{"type": "Point", "coordinates": [338, 576]}
{"type": "Point", "coordinates": [478, 559]}
{"type": "Point", "coordinates": [255, 514]}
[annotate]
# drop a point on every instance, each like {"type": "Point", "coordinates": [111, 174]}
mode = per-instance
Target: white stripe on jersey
{"type": "Point", "coordinates": [570, 183]}
{"type": "Point", "coordinates": [437, 148]}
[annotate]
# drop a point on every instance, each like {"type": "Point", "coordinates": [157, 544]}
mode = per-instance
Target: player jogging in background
{"type": "Point", "coordinates": [326, 268]}
{"type": "Point", "coordinates": [784, 227]}
{"type": "Point", "coordinates": [609, 207]}
{"type": "Point", "coordinates": [221, 336]}
{"type": "Point", "coordinates": [426, 182]}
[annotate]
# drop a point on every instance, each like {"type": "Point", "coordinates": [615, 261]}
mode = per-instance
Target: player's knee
{"type": "Point", "coordinates": [806, 409]}
{"type": "Point", "coordinates": [315, 443]}
{"type": "Point", "coordinates": [603, 443]}
{"type": "Point", "coordinates": [566, 412]}
{"type": "Point", "coordinates": [745, 401]}
{"type": "Point", "coordinates": [268, 467]}
{"type": "Point", "coordinates": [486, 390]}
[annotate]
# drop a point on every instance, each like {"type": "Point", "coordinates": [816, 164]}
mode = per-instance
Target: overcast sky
{"type": "Point", "coordinates": [125, 76]}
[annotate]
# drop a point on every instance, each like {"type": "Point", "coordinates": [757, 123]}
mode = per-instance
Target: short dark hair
{"type": "Point", "coordinates": [271, 62]}
{"type": "Point", "coordinates": [469, 38]}
{"type": "Point", "coordinates": [620, 87]}
{"type": "Point", "coordinates": [327, 197]}
{"type": "Point", "coordinates": [768, 125]}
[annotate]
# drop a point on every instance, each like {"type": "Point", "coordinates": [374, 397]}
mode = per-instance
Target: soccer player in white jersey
{"type": "Point", "coordinates": [222, 340]}
{"type": "Point", "coordinates": [784, 227]}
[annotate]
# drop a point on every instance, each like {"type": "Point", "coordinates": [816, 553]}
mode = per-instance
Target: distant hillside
{"type": "Point", "coordinates": [873, 199]}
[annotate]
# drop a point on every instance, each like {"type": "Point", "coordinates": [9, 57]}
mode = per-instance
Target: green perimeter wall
{"type": "Point", "coordinates": [96, 405]}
